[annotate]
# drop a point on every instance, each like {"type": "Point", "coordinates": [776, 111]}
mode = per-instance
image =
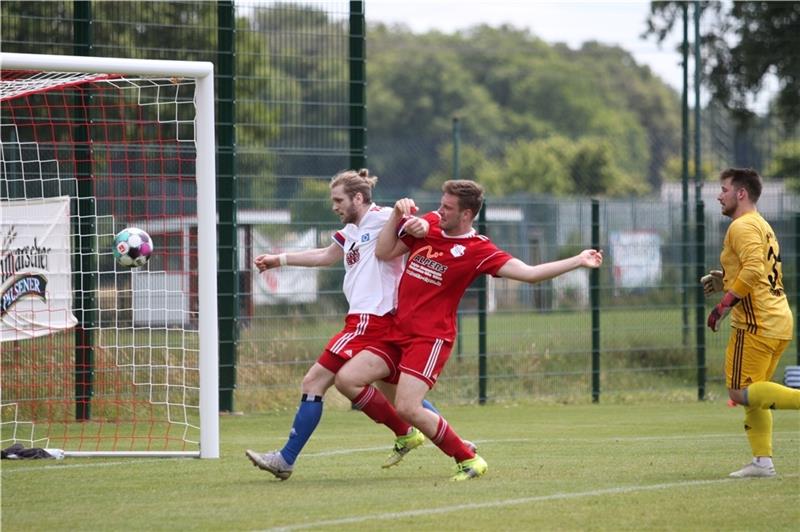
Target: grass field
{"type": "Point", "coordinates": [589, 467]}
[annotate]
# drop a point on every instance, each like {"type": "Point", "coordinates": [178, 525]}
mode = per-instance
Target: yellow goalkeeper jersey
{"type": "Point", "coordinates": [751, 265]}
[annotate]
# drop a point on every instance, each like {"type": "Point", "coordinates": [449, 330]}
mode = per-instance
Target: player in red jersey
{"type": "Point", "coordinates": [370, 286]}
{"type": "Point", "coordinates": [445, 255]}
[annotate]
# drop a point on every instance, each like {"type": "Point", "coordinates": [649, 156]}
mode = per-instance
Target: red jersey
{"type": "Point", "coordinates": [439, 270]}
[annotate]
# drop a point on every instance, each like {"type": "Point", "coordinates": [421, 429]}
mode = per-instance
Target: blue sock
{"type": "Point", "coordinates": [305, 421]}
{"type": "Point", "coordinates": [429, 406]}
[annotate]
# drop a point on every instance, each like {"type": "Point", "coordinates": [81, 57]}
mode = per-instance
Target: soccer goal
{"type": "Point", "coordinates": [99, 359]}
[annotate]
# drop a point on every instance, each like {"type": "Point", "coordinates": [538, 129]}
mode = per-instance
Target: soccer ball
{"type": "Point", "coordinates": [132, 247]}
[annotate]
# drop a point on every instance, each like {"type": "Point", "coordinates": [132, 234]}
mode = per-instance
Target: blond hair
{"type": "Point", "coordinates": [354, 182]}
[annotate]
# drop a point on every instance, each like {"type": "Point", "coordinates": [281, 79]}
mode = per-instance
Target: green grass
{"type": "Point", "coordinates": [596, 467]}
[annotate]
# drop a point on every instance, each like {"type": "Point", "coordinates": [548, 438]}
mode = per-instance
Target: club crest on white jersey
{"type": "Point", "coordinates": [370, 285]}
{"type": "Point", "coordinates": [353, 256]}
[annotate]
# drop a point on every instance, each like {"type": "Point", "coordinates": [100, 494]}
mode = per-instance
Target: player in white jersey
{"type": "Point", "coordinates": [370, 286]}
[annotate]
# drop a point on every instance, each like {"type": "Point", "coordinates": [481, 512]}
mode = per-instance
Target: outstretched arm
{"type": "Point", "coordinates": [389, 246]}
{"type": "Point", "coordinates": [518, 270]}
{"type": "Point", "coordinates": [308, 257]}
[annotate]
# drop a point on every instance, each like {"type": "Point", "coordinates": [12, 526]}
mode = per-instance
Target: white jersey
{"type": "Point", "coordinates": [370, 285]}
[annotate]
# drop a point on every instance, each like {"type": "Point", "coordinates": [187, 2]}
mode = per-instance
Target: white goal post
{"type": "Point", "coordinates": [166, 359]}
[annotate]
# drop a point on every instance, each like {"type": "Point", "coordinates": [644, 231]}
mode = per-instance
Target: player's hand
{"type": "Point", "coordinates": [266, 262]}
{"type": "Point", "coordinates": [405, 207]}
{"type": "Point", "coordinates": [712, 282]}
{"type": "Point", "coordinates": [591, 258]}
{"type": "Point", "coordinates": [721, 310]}
{"type": "Point", "coordinates": [416, 227]}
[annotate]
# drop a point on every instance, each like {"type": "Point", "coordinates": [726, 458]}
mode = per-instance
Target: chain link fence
{"type": "Point", "coordinates": [290, 118]}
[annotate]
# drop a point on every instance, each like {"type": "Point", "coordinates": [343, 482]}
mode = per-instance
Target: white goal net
{"type": "Point", "coordinates": [97, 358]}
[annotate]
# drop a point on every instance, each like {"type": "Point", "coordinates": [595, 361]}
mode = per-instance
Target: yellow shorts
{"type": "Point", "coordinates": [750, 358]}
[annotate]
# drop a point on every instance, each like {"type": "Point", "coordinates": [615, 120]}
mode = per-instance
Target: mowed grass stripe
{"type": "Point", "coordinates": [91, 463]}
{"type": "Point", "coordinates": [502, 503]}
{"type": "Point", "coordinates": [558, 455]}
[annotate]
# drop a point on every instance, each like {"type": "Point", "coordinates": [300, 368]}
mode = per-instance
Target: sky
{"type": "Point", "coordinates": [568, 21]}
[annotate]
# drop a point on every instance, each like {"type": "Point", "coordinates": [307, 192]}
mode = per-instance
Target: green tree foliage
{"type": "Point", "coordinates": [536, 167]}
{"type": "Point", "coordinates": [36, 27]}
{"type": "Point", "coordinates": [280, 49]}
{"type": "Point", "coordinates": [743, 42]}
{"type": "Point", "coordinates": [593, 171]}
{"type": "Point", "coordinates": [673, 170]}
{"type": "Point", "coordinates": [473, 164]}
{"type": "Point", "coordinates": [786, 163]}
{"type": "Point", "coordinates": [533, 114]}
{"type": "Point", "coordinates": [416, 86]}
{"type": "Point", "coordinates": [314, 203]}
{"type": "Point", "coordinates": [536, 118]}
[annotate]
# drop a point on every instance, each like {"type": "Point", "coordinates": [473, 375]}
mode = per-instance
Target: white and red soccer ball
{"type": "Point", "coordinates": [132, 247]}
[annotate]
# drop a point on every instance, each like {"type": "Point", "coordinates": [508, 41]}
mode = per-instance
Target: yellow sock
{"type": "Point", "coordinates": [758, 427]}
{"type": "Point", "coordinates": [767, 394]}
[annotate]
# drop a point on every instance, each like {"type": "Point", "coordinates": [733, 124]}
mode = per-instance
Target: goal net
{"type": "Point", "coordinates": [96, 358]}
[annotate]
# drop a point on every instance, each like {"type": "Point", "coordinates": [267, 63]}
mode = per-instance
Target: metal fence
{"type": "Point", "coordinates": [290, 115]}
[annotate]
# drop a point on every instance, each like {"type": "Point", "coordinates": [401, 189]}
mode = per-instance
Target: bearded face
{"type": "Point", "coordinates": [728, 198]}
{"type": "Point", "coordinates": [451, 214]}
{"type": "Point", "coordinates": [343, 206]}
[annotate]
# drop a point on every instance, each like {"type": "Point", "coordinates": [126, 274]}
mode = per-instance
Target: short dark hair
{"type": "Point", "coordinates": [745, 178]}
{"type": "Point", "coordinates": [355, 182]}
{"type": "Point", "coordinates": [469, 194]}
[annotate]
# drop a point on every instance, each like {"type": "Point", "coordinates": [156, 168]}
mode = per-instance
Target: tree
{"type": "Point", "coordinates": [473, 164]}
{"type": "Point", "coordinates": [536, 167]}
{"type": "Point", "coordinates": [515, 94]}
{"type": "Point", "coordinates": [786, 161]}
{"type": "Point", "coordinates": [743, 43]}
{"type": "Point", "coordinates": [416, 85]}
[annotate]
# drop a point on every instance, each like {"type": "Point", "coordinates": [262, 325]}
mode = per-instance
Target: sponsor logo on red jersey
{"type": "Point", "coordinates": [424, 266]}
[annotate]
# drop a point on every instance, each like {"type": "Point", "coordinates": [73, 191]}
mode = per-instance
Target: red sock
{"type": "Point", "coordinates": [450, 443]}
{"type": "Point", "coordinates": [374, 404]}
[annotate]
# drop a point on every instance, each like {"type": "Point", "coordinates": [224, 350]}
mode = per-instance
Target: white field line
{"type": "Point", "coordinates": [503, 503]}
{"type": "Point", "coordinates": [89, 463]}
{"type": "Point", "coordinates": [566, 440]}
{"type": "Point", "coordinates": [338, 452]}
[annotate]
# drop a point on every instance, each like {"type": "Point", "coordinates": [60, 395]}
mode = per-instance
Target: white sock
{"type": "Point", "coordinates": [763, 461]}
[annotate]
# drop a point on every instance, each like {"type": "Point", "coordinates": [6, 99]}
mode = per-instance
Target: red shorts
{"type": "Point", "coordinates": [419, 356]}
{"type": "Point", "coordinates": [361, 332]}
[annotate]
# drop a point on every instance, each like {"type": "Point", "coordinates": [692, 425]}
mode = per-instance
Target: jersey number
{"type": "Point", "coordinates": [774, 278]}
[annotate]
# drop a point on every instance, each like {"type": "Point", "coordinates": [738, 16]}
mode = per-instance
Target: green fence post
{"type": "Point", "coordinates": [594, 296]}
{"type": "Point", "coordinates": [700, 213]}
{"type": "Point", "coordinates": [456, 174]}
{"type": "Point", "coordinates": [228, 256]}
{"type": "Point", "coordinates": [482, 332]}
{"type": "Point", "coordinates": [797, 284]}
{"type": "Point", "coordinates": [685, 178]}
{"type": "Point", "coordinates": [82, 27]}
{"type": "Point", "coordinates": [700, 315]}
{"type": "Point", "coordinates": [358, 86]}
{"type": "Point", "coordinates": [85, 229]}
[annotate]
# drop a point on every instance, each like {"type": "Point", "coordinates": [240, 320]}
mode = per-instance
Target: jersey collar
{"type": "Point", "coordinates": [468, 234]}
{"type": "Point", "coordinates": [366, 214]}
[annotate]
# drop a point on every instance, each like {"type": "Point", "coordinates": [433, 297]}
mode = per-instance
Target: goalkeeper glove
{"type": "Point", "coordinates": [712, 282]}
{"type": "Point", "coordinates": [721, 310]}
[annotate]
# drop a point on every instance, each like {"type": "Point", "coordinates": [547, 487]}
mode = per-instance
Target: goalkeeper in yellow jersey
{"type": "Point", "coordinates": [761, 320]}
